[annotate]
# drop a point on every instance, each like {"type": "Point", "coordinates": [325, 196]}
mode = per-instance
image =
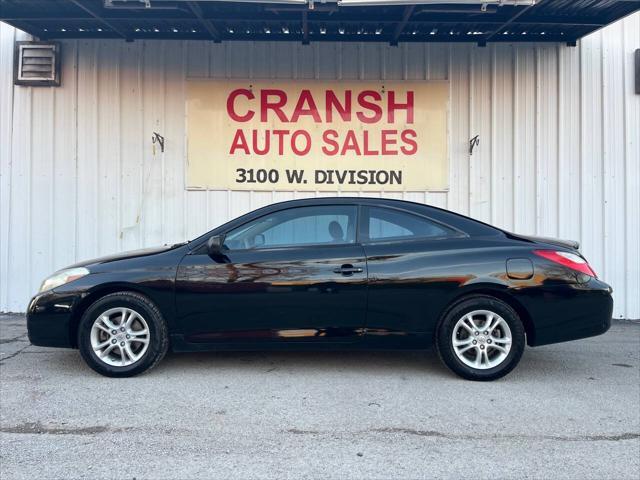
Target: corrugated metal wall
{"type": "Point", "coordinates": [559, 151]}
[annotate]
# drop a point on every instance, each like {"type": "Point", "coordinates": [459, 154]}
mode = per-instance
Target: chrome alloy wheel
{"type": "Point", "coordinates": [482, 339]}
{"type": "Point", "coordinates": [120, 337]}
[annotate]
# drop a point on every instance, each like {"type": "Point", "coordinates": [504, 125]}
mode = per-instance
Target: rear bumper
{"type": "Point", "coordinates": [49, 318]}
{"type": "Point", "coordinates": [569, 312]}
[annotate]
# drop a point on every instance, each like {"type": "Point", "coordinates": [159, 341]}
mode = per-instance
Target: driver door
{"type": "Point", "coordinates": [294, 275]}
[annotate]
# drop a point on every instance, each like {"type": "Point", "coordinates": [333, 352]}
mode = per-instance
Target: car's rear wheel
{"type": "Point", "coordinates": [122, 334]}
{"type": "Point", "coordinates": [481, 338]}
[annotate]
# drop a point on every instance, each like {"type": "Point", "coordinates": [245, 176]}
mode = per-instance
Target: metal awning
{"type": "Point", "coordinates": [308, 21]}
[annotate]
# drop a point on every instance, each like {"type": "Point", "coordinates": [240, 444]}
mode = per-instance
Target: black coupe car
{"type": "Point", "coordinates": [328, 273]}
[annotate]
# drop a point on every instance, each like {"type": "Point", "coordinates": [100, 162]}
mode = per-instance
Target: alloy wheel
{"type": "Point", "coordinates": [482, 339]}
{"type": "Point", "coordinates": [120, 336]}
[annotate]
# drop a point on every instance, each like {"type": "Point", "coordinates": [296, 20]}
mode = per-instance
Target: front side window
{"type": "Point", "coordinates": [321, 225]}
{"type": "Point", "coordinates": [388, 224]}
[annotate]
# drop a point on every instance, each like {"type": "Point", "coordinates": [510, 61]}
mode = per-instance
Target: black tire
{"type": "Point", "coordinates": [158, 334]}
{"type": "Point", "coordinates": [446, 349]}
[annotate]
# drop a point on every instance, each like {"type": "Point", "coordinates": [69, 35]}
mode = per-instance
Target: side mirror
{"type": "Point", "coordinates": [215, 245]}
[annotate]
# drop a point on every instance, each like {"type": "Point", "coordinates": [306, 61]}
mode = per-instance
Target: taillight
{"type": "Point", "coordinates": [571, 260]}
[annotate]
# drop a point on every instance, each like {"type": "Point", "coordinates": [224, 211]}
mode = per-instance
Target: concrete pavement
{"type": "Point", "coordinates": [568, 411]}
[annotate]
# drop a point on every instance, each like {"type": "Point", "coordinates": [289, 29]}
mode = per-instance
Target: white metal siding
{"type": "Point", "coordinates": [559, 151]}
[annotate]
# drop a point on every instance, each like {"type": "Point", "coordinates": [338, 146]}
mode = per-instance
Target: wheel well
{"type": "Point", "coordinates": [529, 327]}
{"type": "Point", "coordinates": [86, 302]}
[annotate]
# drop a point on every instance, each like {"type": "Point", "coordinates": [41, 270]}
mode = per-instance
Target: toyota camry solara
{"type": "Point", "coordinates": [324, 273]}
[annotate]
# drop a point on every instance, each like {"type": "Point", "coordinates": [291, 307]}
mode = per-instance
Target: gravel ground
{"type": "Point", "coordinates": [568, 411]}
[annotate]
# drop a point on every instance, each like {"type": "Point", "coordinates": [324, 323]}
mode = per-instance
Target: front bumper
{"type": "Point", "coordinates": [49, 319]}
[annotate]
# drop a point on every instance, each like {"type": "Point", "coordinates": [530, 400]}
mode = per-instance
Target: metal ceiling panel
{"type": "Point", "coordinates": [390, 21]}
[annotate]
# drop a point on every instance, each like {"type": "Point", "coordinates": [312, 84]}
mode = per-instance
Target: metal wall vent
{"type": "Point", "coordinates": [37, 64]}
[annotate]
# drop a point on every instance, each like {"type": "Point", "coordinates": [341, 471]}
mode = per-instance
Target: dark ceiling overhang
{"type": "Point", "coordinates": [545, 21]}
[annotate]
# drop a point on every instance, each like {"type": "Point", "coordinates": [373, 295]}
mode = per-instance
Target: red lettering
{"type": "Point", "coordinates": [386, 141]}
{"type": "Point", "coordinates": [370, 108]}
{"type": "Point", "coordinates": [294, 145]}
{"type": "Point", "coordinates": [231, 101]}
{"type": "Point", "coordinates": [393, 106]}
{"type": "Point", "coordinates": [330, 141]}
{"type": "Point", "coordinates": [332, 101]}
{"type": "Point", "coordinates": [312, 110]}
{"type": "Point", "coordinates": [350, 143]}
{"type": "Point", "coordinates": [239, 142]}
{"type": "Point", "coordinates": [366, 145]}
{"type": "Point", "coordinates": [406, 138]}
{"type": "Point", "coordinates": [266, 104]}
{"type": "Point", "coordinates": [366, 104]}
{"type": "Point", "coordinates": [267, 141]}
{"type": "Point", "coordinates": [280, 134]}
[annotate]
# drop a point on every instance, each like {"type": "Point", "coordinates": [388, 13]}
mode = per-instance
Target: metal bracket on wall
{"type": "Point", "coordinates": [159, 139]}
{"type": "Point", "coordinates": [474, 142]}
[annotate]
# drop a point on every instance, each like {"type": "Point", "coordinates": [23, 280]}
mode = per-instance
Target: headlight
{"type": "Point", "coordinates": [62, 277]}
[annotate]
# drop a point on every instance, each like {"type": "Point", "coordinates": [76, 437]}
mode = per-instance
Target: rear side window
{"type": "Point", "coordinates": [388, 224]}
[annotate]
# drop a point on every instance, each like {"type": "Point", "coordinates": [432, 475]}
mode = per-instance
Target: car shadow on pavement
{"type": "Point", "coordinates": [380, 362]}
{"type": "Point", "coordinates": [69, 362]}
{"type": "Point", "coordinates": [549, 361]}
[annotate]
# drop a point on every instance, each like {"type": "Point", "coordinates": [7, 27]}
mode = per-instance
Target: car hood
{"type": "Point", "coordinates": [125, 255]}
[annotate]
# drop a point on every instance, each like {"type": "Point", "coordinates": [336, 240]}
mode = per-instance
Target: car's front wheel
{"type": "Point", "coordinates": [122, 334]}
{"type": "Point", "coordinates": [481, 338]}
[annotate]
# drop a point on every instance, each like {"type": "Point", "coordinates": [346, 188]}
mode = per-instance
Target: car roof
{"type": "Point", "coordinates": [342, 200]}
{"type": "Point", "coordinates": [311, 201]}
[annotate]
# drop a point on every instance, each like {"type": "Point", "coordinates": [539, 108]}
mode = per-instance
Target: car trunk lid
{"type": "Point", "coordinates": [573, 244]}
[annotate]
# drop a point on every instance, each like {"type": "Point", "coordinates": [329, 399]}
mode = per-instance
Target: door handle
{"type": "Point", "coordinates": [347, 269]}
